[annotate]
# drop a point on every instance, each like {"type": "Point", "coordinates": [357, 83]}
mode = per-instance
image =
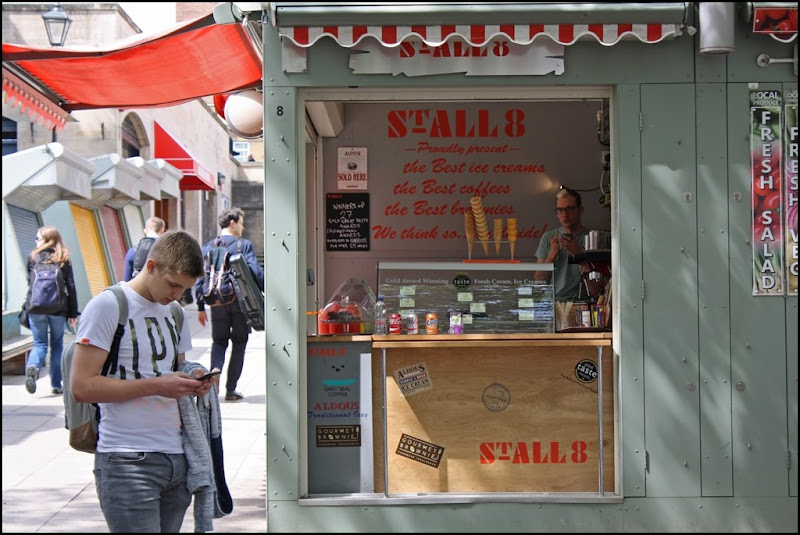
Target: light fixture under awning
{"type": "Point", "coordinates": [479, 35]}
{"type": "Point", "coordinates": [170, 185]}
{"type": "Point", "coordinates": [115, 182]}
{"type": "Point", "coordinates": [150, 183]}
{"type": "Point", "coordinates": [38, 177]}
{"type": "Point", "coordinates": [168, 148]}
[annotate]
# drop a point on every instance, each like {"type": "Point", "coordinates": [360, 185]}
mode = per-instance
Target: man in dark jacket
{"type": "Point", "coordinates": [228, 322]}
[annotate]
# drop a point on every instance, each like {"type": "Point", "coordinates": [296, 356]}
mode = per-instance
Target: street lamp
{"type": "Point", "coordinates": [57, 24]}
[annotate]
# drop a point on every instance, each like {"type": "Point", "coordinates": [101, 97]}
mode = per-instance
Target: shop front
{"type": "Point", "coordinates": [381, 128]}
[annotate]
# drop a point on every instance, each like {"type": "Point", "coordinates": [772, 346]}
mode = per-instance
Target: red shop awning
{"type": "Point", "coordinates": [195, 176]}
{"type": "Point", "coordinates": [194, 59]}
{"type": "Point", "coordinates": [479, 35]}
{"type": "Point", "coordinates": [23, 98]}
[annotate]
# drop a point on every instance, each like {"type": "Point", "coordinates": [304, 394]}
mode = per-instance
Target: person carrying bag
{"type": "Point", "coordinates": [52, 302]}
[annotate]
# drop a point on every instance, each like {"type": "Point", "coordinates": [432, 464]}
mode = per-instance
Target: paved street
{"type": "Point", "coordinates": [49, 487]}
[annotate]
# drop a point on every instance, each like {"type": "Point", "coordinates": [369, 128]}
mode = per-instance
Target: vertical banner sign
{"type": "Point", "coordinates": [767, 192]}
{"type": "Point", "coordinates": [790, 188]}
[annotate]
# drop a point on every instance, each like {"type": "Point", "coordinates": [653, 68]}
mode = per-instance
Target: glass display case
{"type": "Point", "coordinates": [490, 297]}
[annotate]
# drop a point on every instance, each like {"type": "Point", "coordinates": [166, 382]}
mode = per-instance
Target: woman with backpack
{"type": "Point", "coordinates": [51, 302]}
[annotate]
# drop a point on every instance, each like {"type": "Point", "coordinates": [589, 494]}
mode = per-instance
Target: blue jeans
{"type": "Point", "coordinates": [40, 325]}
{"type": "Point", "coordinates": [142, 492]}
{"type": "Point", "coordinates": [228, 322]}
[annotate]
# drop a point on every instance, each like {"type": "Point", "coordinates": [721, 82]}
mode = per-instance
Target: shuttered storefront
{"type": "Point", "coordinates": [91, 249]}
{"type": "Point", "coordinates": [134, 223]}
{"type": "Point", "coordinates": [115, 240]}
{"type": "Point", "coordinates": [26, 224]}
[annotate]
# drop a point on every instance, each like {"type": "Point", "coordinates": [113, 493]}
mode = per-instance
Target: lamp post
{"type": "Point", "coordinates": [57, 24]}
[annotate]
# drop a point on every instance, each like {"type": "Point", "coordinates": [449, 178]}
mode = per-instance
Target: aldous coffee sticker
{"type": "Point", "coordinates": [413, 379]}
{"type": "Point", "coordinates": [419, 450]}
{"type": "Point", "coordinates": [331, 436]}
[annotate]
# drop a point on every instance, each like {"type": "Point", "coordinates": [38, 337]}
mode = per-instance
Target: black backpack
{"type": "Point", "coordinates": [218, 281]}
{"type": "Point", "coordinates": [47, 291]}
{"type": "Point", "coordinates": [142, 250]}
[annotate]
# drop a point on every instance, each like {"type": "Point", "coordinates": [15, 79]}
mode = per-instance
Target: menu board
{"type": "Point", "coordinates": [347, 222]}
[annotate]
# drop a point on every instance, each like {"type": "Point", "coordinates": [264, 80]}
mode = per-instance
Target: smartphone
{"type": "Point", "coordinates": [207, 376]}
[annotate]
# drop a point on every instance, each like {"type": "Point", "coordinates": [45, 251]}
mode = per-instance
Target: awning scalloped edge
{"type": "Point", "coordinates": [30, 102]}
{"type": "Point", "coordinates": [479, 35]}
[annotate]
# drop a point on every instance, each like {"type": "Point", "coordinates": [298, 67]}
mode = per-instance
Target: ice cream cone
{"type": "Point", "coordinates": [498, 234]}
{"type": "Point", "coordinates": [512, 245]}
{"type": "Point", "coordinates": [469, 229]}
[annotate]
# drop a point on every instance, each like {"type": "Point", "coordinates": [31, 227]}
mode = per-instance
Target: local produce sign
{"type": "Point", "coordinates": [774, 148]}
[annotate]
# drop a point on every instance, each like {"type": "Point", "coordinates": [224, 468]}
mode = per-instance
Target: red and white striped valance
{"type": "Point", "coordinates": [479, 35]}
{"type": "Point", "coordinates": [32, 103]}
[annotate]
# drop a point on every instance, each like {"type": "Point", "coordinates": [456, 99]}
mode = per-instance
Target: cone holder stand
{"type": "Point", "coordinates": [493, 256]}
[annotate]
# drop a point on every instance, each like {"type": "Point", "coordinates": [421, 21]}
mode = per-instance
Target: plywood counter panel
{"type": "Point", "coordinates": [494, 413]}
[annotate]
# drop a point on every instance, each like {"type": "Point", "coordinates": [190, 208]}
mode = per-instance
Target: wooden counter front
{"type": "Point", "coordinates": [494, 413]}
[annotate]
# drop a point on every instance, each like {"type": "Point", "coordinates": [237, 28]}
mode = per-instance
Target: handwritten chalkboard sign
{"type": "Point", "coordinates": [347, 222]}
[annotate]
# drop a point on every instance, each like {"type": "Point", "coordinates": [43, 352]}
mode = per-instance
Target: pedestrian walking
{"type": "Point", "coordinates": [228, 322]}
{"type": "Point", "coordinates": [52, 302]}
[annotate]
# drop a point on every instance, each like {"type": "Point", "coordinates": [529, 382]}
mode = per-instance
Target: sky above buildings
{"type": "Point", "coordinates": [151, 16]}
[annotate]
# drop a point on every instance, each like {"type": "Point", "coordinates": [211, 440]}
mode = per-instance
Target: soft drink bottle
{"type": "Point", "coordinates": [381, 317]}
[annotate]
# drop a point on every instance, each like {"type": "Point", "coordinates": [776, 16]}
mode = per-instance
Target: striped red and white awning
{"type": "Point", "coordinates": [479, 35]}
{"type": "Point", "coordinates": [28, 101]}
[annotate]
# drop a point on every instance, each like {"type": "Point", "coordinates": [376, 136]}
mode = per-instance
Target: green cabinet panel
{"type": "Point", "coordinates": [669, 234]}
{"type": "Point", "coordinates": [714, 354]}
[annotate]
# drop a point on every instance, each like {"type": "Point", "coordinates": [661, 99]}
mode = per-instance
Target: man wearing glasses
{"type": "Point", "coordinates": [559, 244]}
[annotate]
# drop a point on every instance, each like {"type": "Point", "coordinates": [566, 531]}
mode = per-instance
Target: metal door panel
{"type": "Point", "coordinates": [26, 224]}
{"type": "Point", "coordinates": [628, 325]}
{"type": "Point", "coordinates": [134, 224]}
{"type": "Point", "coordinates": [669, 233]}
{"type": "Point", "coordinates": [115, 241]}
{"type": "Point", "coordinates": [91, 249]}
{"type": "Point", "coordinates": [713, 292]}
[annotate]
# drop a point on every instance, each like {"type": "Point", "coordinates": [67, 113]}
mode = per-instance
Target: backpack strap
{"type": "Point", "coordinates": [239, 246]}
{"type": "Point", "coordinates": [110, 365]}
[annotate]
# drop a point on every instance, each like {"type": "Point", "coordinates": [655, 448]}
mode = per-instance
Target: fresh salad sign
{"type": "Point", "coordinates": [774, 150]}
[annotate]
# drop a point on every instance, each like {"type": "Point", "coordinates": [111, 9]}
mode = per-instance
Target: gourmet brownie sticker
{"type": "Point", "coordinates": [331, 436]}
{"type": "Point", "coordinates": [419, 450]}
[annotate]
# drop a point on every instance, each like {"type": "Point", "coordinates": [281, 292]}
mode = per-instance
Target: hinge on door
{"type": "Point", "coordinates": [646, 462]}
{"type": "Point", "coordinates": [641, 121]}
{"type": "Point", "coordinates": [642, 289]}
{"type": "Point", "coordinates": [788, 460]}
